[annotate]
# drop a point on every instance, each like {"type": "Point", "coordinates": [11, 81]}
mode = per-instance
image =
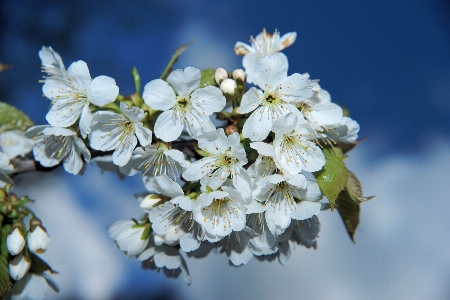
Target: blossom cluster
{"type": "Point", "coordinates": [229, 159]}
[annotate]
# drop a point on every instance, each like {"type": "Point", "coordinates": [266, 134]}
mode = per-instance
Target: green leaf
{"type": "Point", "coordinates": [38, 265]}
{"type": "Point", "coordinates": [349, 212]}
{"type": "Point", "coordinates": [11, 118]}
{"type": "Point", "coordinates": [5, 281]}
{"type": "Point", "coordinates": [348, 204]}
{"type": "Point", "coordinates": [334, 175]}
{"type": "Point", "coordinates": [173, 60]}
{"type": "Point", "coordinates": [207, 78]}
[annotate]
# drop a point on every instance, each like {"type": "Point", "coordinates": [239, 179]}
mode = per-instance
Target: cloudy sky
{"type": "Point", "coordinates": [388, 64]}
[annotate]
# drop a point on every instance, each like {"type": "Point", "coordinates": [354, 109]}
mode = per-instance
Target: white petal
{"type": "Point", "coordinates": [197, 124]}
{"type": "Point", "coordinates": [262, 148]}
{"type": "Point", "coordinates": [327, 114]}
{"type": "Point", "coordinates": [286, 40]}
{"type": "Point", "coordinates": [250, 101]}
{"type": "Point", "coordinates": [101, 138]}
{"type": "Point", "coordinates": [65, 112]}
{"type": "Point", "coordinates": [79, 73]}
{"type": "Point", "coordinates": [285, 124]}
{"type": "Point", "coordinates": [242, 48]}
{"type": "Point", "coordinates": [168, 187]}
{"type": "Point", "coordinates": [124, 150]}
{"type": "Point", "coordinates": [249, 62]}
{"type": "Point", "coordinates": [178, 156]}
{"type": "Point", "coordinates": [214, 142]}
{"type": "Point", "coordinates": [198, 169]}
{"type": "Point", "coordinates": [73, 162]}
{"type": "Point", "coordinates": [159, 95]}
{"type": "Point", "coordinates": [295, 88]}
{"type": "Point", "coordinates": [133, 113]}
{"type": "Point", "coordinates": [183, 202]}
{"type": "Point", "coordinates": [185, 82]}
{"type": "Point", "coordinates": [209, 99]}
{"type": "Point", "coordinates": [85, 121]}
{"type": "Point", "coordinates": [168, 127]}
{"type": "Point", "coordinates": [241, 181]}
{"type": "Point", "coordinates": [305, 210]}
{"type": "Point", "coordinates": [270, 71]}
{"type": "Point", "coordinates": [258, 125]}
{"type": "Point", "coordinates": [102, 90]}
{"type": "Point", "coordinates": [143, 134]}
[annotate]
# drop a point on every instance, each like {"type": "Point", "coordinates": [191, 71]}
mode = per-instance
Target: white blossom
{"type": "Point", "coordinates": [129, 236]}
{"type": "Point", "coordinates": [264, 44]}
{"type": "Point", "coordinates": [154, 162]}
{"type": "Point", "coordinates": [294, 146]}
{"type": "Point", "coordinates": [14, 142]}
{"type": "Point", "coordinates": [72, 95]}
{"type": "Point", "coordinates": [111, 131]}
{"type": "Point", "coordinates": [173, 220]}
{"type": "Point", "coordinates": [188, 108]}
{"type": "Point", "coordinates": [275, 98]}
{"type": "Point", "coordinates": [220, 212]}
{"type": "Point", "coordinates": [237, 247]}
{"type": "Point", "coordinates": [56, 144]}
{"type": "Point", "coordinates": [227, 159]}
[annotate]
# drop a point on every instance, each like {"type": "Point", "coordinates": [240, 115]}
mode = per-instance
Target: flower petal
{"type": "Point", "coordinates": [159, 95]}
{"type": "Point", "coordinates": [185, 82]}
{"type": "Point", "coordinates": [270, 71]}
{"type": "Point", "coordinates": [79, 73]}
{"type": "Point", "coordinates": [210, 99]}
{"type": "Point", "coordinates": [168, 187]}
{"type": "Point", "coordinates": [250, 101]}
{"type": "Point", "coordinates": [85, 121]}
{"type": "Point", "coordinates": [102, 90]}
{"type": "Point", "coordinates": [168, 126]}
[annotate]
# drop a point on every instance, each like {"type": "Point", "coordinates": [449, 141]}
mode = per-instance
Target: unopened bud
{"type": "Point", "coordinates": [15, 241]}
{"type": "Point", "coordinates": [230, 129]}
{"type": "Point", "coordinates": [239, 74]}
{"type": "Point", "coordinates": [228, 86]}
{"type": "Point", "coordinates": [19, 266]}
{"type": "Point", "coordinates": [38, 239]}
{"type": "Point", "coordinates": [220, 75]}
{"type": "Point", "coordinates": [150, 201]}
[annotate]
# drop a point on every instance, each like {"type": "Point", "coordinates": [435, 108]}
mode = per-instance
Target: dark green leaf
{"type": "Point", "coordinates": [348, 203]}
{"type": "Point", "coordinates": [207, 78]}
{"type": "Point", "coordinates": [349, 211]}
{"type": "Point", "coordinates": [11, 118]}
{"type": "Point", "coordinates": [173, 60]}
{"type": "Point", "coordinates": [5, 281]}
{"type": "Point", "coordinates": [334, 175]}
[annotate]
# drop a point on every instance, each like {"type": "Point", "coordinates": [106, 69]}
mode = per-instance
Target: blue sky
{"type": "Point", "coordinates": [388, 63]}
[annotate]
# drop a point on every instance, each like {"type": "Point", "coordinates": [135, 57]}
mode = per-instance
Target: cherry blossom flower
{"type": "Point", "coordinates": [51, 63]}
{"type": "Point", "coordinates": [294, 146]}
{"type": "Point", "coordinates": [55, 144]}
{"type": "Point", "coordinates": [276, 97]}
{"type": "Point", "coordinates": [111, 131]}
{"type": "Point", "coordinates": [72, 94]}
{"type": "Point", "coordinates": [14, 143]}
{"type": "Point", "coordinates": [188, 108]}
{"type": "Point", "coordinates": [264, 44]}
{"type": "Point", "coordinates": [227, 159]}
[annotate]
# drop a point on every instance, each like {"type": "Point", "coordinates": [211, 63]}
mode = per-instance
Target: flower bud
{"type": "Point", "coordinates": [239, 74]}
{"type": "Point", "coordinates": [15, 241]}
{"type": "Point", "coordinates": [150, 201]}
{"type": "Point", "coordinates": [228, 86]}
{"type": "Point", "coordinates": [230, 129]}
{"type": "Point", "coordinates": [220, 75]}
{"type": "Point", "coordinates": [19, 266]}
{"type": "Point", "coordinates": [38, 239]}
